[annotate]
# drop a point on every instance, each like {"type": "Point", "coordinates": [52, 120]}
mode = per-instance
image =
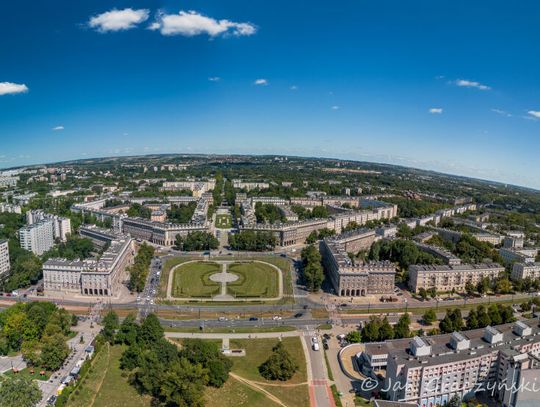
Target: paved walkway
{"type": "Point", "coordinates": [8, 362]}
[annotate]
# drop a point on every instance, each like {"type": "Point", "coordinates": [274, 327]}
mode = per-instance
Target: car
{"type": "Point", "coordinates": [253, 318]}
{"type": "Point", "coordinates": [298, 315]}
{"type": "Point", "coordinates": [325, 345]}
{"type": "Point", "coordinates": [222, 319]}
{"type": "Point", "coordinates": [315, 346]}
{"type": "Point", "coordinates": [314, 339]}
{"type": "Point", "coordinates": [305, 307]}
{"type": "Point", "coordinates": [51, 400]}
{"type": "Point", "coordinates": [276, 318]}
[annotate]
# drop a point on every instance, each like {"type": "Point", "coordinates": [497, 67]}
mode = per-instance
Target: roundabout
{"type": "Point", "coordinates": [225, 280]}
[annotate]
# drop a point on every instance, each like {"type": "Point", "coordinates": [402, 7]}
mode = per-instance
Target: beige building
{"type": "Point", "coordinates": [355, 279]}
{"type": "Point", "coordinates": [451, 277]}
{"type": "Point", "coordinates": [101, 277]}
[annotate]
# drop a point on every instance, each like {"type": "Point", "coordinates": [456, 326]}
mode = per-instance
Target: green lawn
{"type": "Point", "coordinates": [257, 351]}
{"type": "Point", "coordinates": [233, 393]}
{"type": "Point", "coordinates": [256, 280]}
{"type": "Point", "coordinates": [223, 221]}
{"type": "Point", "coordinates": [104, 385]}
{"type": "Point", "coordinates": [167, 266]}
{"type": "Point", "coordinates": [192, 280]}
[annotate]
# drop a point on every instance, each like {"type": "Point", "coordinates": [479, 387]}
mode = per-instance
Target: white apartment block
{"type": "Point", "coordinates": [9, 208]}
{"type": "Point", "coordinates": [38, 237]}
{"type": "Point", "coordinates": [511, 255]}
{"type": "Point", "coordinates": [61, 226]}
{"type": "Point", "coordinates": [429, 371]}
{"type": "Point", "coordinates": [522, 271]}
{"type": "Point", "coordinates": [6, 182]}
{"type": "Point", "coordinates": [4, 258]}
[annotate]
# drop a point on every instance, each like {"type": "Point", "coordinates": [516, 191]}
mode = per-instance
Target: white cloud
{"type": "Point", "coordinates": [436, 110]}
{"type": "Point", "coordinates": [9, 88]}
{"type": "Point", "coordinates": [214, 79]}
{"type": "Point", "coordinates": [118, 20]}
{"type": "Point", "coordinates": [471, 84]}
{"type": "Point", "coordinates": [260, 82]}
{"type": "Point", "coordinates": [191, 23]}
{"type": "Point", "coordinates": [501, 112]}
{"type": "Point", "coordinates": [534, 113]}
{"type": "Point", "coordinates": [293, 87]}
{"type": "Point", "coordinates": [58, 128]}
{"type": "Point", "coordinates": [335, 107]}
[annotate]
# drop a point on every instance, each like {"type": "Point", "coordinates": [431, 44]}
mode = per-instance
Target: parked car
{"type": "Point", "coordinates": [298, 315]}
{"type": "Point", "coordinates": [253, 319]}
{"type": "Point", "coordinates": [315, 346]}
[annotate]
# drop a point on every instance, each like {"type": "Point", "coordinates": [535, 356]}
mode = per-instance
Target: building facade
{"type": "Point", "coordinates": [521, 271]}
{"type": "Point", "coordinates": [5, 265]}
{"type": "Point", "coordinates": [355, 279]}
{"type": "Point", "coordinates": [37, 237]}
{"type": "Point", "coordinates": [451, 277]}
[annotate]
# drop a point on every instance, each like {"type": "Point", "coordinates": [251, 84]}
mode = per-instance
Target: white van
{"type": "Point", "coordinates": [315, 346]}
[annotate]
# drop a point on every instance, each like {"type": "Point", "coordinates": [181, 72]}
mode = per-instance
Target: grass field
{"type": "Point", "coordinates": [192, 280]}
{"type": "Point", "coordinates": [234, 393]}
{"type": "Point", "coordinates": [256, 280]}
{"type": "Point", "coordinates": [167, 266]}
{"type": "Point", "coordinates": [104, 385]}
{"type": "Point", "coordinates": [223, 221]}
{"type": "Point", "coordinates": [257, 351]}
{"type": "Point", "coordinates": [27, 372]}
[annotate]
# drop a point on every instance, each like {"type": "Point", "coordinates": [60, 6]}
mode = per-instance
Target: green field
{"type": "Point", "coordinates": [255, 280]}
{"type": "Point", "coordinates": [192, 280]}
{"type": "Point", "coordinates": [167, 266]}
{"type": "Point", "coordinates": [104, 385]}
{"type": "Point", "coordinates": [27, 372]}
{"type": "Point", "coordinates": [223, 221]}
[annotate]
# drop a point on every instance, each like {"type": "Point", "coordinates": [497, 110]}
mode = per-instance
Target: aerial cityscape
{"type": "Point", "coordinates": [231, 204]}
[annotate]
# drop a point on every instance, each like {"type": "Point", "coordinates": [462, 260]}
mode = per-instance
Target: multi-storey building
{"type": "Point", "coordinates": [38, 237]}
{"type": "Point", "coordinates": [61, 226]}
{"type": "Point", "coordinates": [100, 237]}
{"type": "Point", "coordinates": [514, 240]}
{"type": "Point", "coordinates": [522, 271]}
{"type": "Point", "coordinates": [515, 255]}
{"type": "Point", "coordinates": [451, 277]}
{"type": "Point", "coordinates": [99, 277]}
{"type": "Point", "coordinates": [248, 186]}
{"type": "Point", "coordinates": [355, 279]}
{"type": "Point", "coordinates": [440, 253]}
{"type": "Point", "coordinates": [5, 265]}
{"type": "Point", "coordinates": [6, 182]}
{"type": "Point", "coordinates": [157, 232]}
{"type": "Point", "coordinates": [198, 188]}
{"type": "Point", "coordinates": [10, 208]}
{"type": "Point", "coordinates": [429, 371]}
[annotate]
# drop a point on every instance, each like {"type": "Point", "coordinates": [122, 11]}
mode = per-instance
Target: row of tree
{"type": "Point", "coordinates": [196, 241]}
{"type": "Point", "coordinates": [403, 252]}
{"type": "Point", "coordinates": [138, 272]}
{"type": "Point", "coordinates": [312, 268]}
{"type": "Point", "coordinates": [378, 329]}
{"type": "Point", "coordinates": [249, 240]}
{"type": "Point", "coordinates": [317, 212]}
{"type": "Point", "coordinates": [39, 330]}
{"type": "Point", "coordinates": [480, 317]}
{"type": "Point", "coordinates": [156, 367]}
{"type": "Point", "coordinates": [75, 247]}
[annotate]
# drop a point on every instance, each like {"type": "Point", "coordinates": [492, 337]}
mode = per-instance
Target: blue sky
{"type": "Point", "coordinates": [452, 86]}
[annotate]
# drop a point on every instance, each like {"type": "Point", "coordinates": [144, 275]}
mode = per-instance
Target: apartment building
{"type": "Point", "coordinates": [7, 182]}
{"type": "Point", "coordinates": [248, 186]}
{"type": "Point", "coordinates": [522, 271]}
{"type": "Point", "coordinates": [443, 254]}
{"type": "Point", "coordinates": [96, 277]}
{"type": "Point", "coordinates": [5, 265]}
{"type": "Point", "coordinates": [518, 255]}
{"type": "Point", "coordinates": [61, 225]}
{"type": "Point", "coordinates": [429, 371]}
{"type": "Point", "coordinates": [451, 277]}
{"type": "Point", "coordinates": [9, 208]}
{"type": "Point", "coordinates": [352, 279]}
{"type": "Point", "coordinates": [37, 237]}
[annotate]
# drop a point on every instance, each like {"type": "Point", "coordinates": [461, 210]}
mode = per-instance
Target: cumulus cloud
{"type": "Point", "coordinates": [436, 110]}
{"type": "Point", "coordinates": [534, 113]}
{"type": "Point", "coordinates": [118, 20]}
{"type": "Point", "coordinates": [214, 79]}
{"type": "Point", "coordinates": [10, 88]}
{"type": "Point", "coordinates": [261, 82]}
{"type": "Point", "coordinates": [191, 23]}
{"type": "Point", "coordinates": [501, 112]}
{"type": "Point", "coordinates": [471, 84]}
{"type": "Point", "coordinates": [58, 128]}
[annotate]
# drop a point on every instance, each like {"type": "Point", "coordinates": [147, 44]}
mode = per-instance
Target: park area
{"type": "Point", "coordinates": [255, 280]}
{"type": "Point", "coordinates": [225, 280]}
{"type": "Point", "coordinates": [223, 221]}
{"type": "Point", "coordinates": [246, 387]}
{"type": "Point", "coordinates": [193, 280]}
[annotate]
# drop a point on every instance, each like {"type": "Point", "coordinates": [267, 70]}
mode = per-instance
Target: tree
{"type": "Point", "coordinates": [312, 269]}
{"type": "Point", "coordinates": [472, 319]}
{"type": "Point", "coordinates": [429, 316]}
{"type": "Point", "coordinates": [483, 285]}
{"type": "Point", "coordinates": [423, 293]}
{"type": "Point", "coordinates": [279, 365]}
{"type": "Point", "coordinates": [503, 286]}
{"type": "Point", "coordinates": [18, 391]}
{"type": "Point", "coordinates": [151, 330]}
{"type": "Point", "coordinates": [353, 337]}
{"type": "Point", "coordinates": [208, 355]}
{"type": "Point", "coordinates": [455, 401]}
{"type": "Point", "coordinates": [110, 325]}
{"type": "Point", "coordinates": [54, 352]}
{"type": "Point", "coordinates": [470, 288]}
{"type": "Point", "coordinates": [385, 330]}
{"type": "Point", "coordinates": [182, 385]}
{"type": "Point", "coordinates": [127, 333]}
{"type": "Point", "coordinates": [402, 328]}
